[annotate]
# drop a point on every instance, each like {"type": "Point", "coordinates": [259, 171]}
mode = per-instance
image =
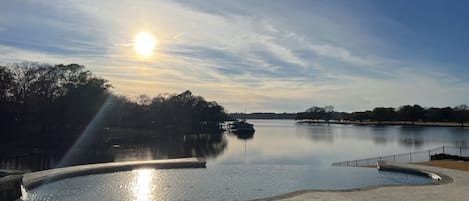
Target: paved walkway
{"type": "Point", "coordinates": [33, 179]}
{"type": "Point", "coordinates": [454, 188]}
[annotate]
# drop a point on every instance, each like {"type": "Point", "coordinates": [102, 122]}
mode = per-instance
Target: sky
{"type": "Point", "coordinates": [265, 56]}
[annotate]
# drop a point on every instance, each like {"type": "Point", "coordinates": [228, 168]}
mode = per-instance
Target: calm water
{"type": "Point", "coordinates": [281, 157]}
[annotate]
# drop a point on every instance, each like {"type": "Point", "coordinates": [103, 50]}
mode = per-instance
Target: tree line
{"type": "Point", "coordinates": [410, 113]}
{"type": "Point", "coordinates": [42, 98]}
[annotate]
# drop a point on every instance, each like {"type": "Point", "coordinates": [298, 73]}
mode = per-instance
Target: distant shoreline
{"type": "Point", "coordinates": [390, 123]}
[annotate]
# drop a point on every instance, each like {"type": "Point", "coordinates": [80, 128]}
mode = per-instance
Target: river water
{"type": "Point", "coordinates": [280, 157]}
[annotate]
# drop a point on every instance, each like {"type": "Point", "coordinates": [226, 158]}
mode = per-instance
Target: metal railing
{"type": "Point", "coordinates": [409, 157]}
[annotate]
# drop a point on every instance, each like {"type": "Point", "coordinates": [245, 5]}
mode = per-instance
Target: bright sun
{"type": "Point", "coordinates": [144, 44]}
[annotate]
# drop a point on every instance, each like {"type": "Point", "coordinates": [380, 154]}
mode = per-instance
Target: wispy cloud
{"type": "Point", "coordinates": [342, 55]}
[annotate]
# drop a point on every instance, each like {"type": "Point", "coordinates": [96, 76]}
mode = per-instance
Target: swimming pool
{"type": "Point", "coordinates": [223, 182]}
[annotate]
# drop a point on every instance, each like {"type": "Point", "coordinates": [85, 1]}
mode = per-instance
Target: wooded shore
{"type": "Point", "coordinates": [390, 123]}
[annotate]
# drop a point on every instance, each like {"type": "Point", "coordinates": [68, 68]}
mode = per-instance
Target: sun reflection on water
{"type": "Point", "coordinates": [142, 185]}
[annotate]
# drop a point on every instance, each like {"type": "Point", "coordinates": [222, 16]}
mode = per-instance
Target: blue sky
{"type": "Point", "coordinates": [280, 56]}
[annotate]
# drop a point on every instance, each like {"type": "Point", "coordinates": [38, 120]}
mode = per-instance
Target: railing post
{"type": "Point", "coordinates": [410, 157]}
{"type": "Point", "coordinates": [394, 157]}
{"type": "Point", "coordinates": [443, 148]}
{"type": "Point", "coordinates": [460, 150]}
{"type": "Point", "coordinates": [429, 155]}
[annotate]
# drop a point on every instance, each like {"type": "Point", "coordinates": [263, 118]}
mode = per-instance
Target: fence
{"type": "Point", "coordinates": [410, 157]}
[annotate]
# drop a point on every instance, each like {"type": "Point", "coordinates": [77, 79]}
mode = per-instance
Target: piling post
{"type": "Point", "coordinates": [460, 150]}
{"type": "Point", "coordinates": [443, 148]}
{"type": "Point", "coordinates": [429, 155]}
{"type": "Point", "coordinates": [410, 157]}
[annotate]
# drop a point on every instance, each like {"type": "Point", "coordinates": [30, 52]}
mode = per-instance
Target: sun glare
{"type": "Point", "coordinates": [143, 184]}
{"type": "Point", "coordinates": [144, 44]}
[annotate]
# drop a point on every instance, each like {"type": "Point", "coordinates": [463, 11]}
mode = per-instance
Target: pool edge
{"type": "Point", "coordinates": [35, 179]}
{"type": "Point", "coordinates": [446, 180]}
